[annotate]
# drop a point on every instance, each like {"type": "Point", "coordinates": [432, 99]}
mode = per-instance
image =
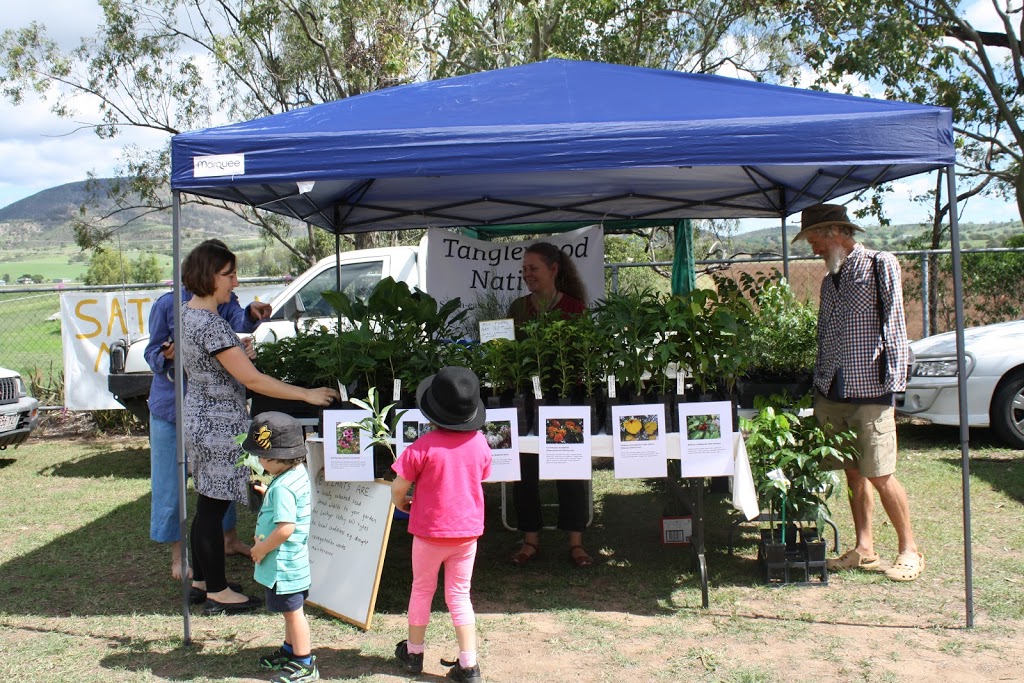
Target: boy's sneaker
{"type": "Point", "coordinates": [410, 662]}
{"type": "Point", "coordinates": [296, 672]}
{"type": "Point", "coordinates": [276, 660]}
{"type": "Point", "coordinates": [463, 674]}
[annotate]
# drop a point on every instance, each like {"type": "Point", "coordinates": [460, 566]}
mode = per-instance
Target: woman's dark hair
{"type": "Point", "coordinates": [199, 269]}
{"type": "Point", "coordinates": [567, 281]}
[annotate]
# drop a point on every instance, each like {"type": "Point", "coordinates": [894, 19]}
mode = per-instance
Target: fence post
{"type": "Point", "coordinates": [926, 265]}
{"type": "Point", "coordinates": [615, 278]}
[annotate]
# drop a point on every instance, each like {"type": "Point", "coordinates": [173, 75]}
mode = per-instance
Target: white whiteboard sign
{"type": "Point", "coordinates": [348, 538]}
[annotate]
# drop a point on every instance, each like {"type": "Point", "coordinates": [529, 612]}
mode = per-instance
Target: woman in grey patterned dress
{"type": "Point", "coordinates": [215, 411]}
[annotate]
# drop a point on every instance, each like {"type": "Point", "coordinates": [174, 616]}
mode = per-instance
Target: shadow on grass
{"type": "Point", "coordinates": [110, 567]}
{"type": "Point", "coordinates": [193, 661]}
{"type": "Point", "coordinates": [1002, 471]}
{"type": "Point", "coordinates": [633, 571]}
{"type": "Point", "coordinates": [121, 463]}
{"type": "Point", "coordinates": [6, 462]}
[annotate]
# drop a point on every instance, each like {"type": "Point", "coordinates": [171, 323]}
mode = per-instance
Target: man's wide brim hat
{"type": "Point", "coordinates": [451, 399]}
{"type": "Point", "coordinates": [821, 216]}
{"type": "Point", "coordinates": [275, 435]}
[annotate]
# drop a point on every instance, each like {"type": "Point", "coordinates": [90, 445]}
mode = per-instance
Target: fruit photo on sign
{"type": "Point", "coordinates": [699, 427]}
{"type": "Point", "coordinates": [638, 428]}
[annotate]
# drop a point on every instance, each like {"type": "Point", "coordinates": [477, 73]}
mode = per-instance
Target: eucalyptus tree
{"type": "Point", "coordinates": [176, 65]}
{"type": "Point", "coordinates": [962, 55]}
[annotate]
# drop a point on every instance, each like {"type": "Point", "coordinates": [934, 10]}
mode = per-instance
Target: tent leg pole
{"type": "Point", "coordinates": [965, 461]}
{"type": "Point", "coordinates": [179, 382]}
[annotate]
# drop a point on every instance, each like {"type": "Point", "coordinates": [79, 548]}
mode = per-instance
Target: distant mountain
{"type": "Point", "coordinates": [888, 238]}
{"type": "Point", "coordinates": [45, 218]}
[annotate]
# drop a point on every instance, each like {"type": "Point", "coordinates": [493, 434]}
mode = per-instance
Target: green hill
{"type": "Point", "coordinates": [888, 238]}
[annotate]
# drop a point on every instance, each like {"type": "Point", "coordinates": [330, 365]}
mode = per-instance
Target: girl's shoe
{"type": "Point", "coordinates": [410, 662]}
{"type": "Point", "coordinates": [463, 674]}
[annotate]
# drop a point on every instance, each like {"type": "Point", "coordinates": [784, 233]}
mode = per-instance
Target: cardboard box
{"type": "Point", "coordinates": [676, 530]}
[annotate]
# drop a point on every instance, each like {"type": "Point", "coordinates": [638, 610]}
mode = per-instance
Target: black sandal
{"type": "Point", "coordinates": [522, 557]}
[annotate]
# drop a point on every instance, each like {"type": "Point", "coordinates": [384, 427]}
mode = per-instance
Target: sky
{"type": "Point", "coordinates": [40, 150]}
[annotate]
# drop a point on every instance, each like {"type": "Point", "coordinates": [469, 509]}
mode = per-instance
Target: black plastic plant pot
{"type": "Point", "coordinates": [775, 553]}
{"type": "Point", "coordinates": [255, 497]}
{"type": "Point", "coordinates": [596, 415]}
{"type": "Point", "coordinates": [524, 407]}
{"type": "Point", "coordinates": [815, 551]}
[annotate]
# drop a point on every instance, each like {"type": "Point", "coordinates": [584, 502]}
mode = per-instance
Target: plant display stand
{"type": "Point", "coordinates": [769, 517]}
{"type": "Point", "coordinates": [799, 560]}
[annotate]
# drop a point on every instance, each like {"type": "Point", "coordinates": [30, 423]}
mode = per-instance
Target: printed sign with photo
{"type": "Point", "coordinates": [412, 425]}
{"type": "Point", "coordinates": [564, 442]}
{"type": "Point", "coordinates": [706, 439]}
{"type": "Point", "coordinates": [638, 441]}
{"type": "Point", "coordinates": [502, 433]}
{"type": "Point", "coordinates": [348, 452]}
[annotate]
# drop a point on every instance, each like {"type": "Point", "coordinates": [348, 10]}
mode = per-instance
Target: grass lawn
{"type": "Point", "coordinates": [87, 597]}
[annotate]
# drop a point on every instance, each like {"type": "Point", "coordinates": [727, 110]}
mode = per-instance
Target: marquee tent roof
{"type": "Point", "coordinates": [561, 141]}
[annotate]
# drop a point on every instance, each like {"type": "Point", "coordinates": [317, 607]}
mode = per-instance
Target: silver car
{"type": "Point", "coordinates": [995, 380]}
{"type": "Point", "coordinates": [19, 412]}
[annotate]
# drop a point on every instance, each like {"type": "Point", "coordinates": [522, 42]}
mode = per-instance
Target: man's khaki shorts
{"type": "Point", "coordinates": [875, 427]}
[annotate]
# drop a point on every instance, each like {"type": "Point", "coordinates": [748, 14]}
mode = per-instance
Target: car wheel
{"type": "Point", "coordinates": [1007, 412]}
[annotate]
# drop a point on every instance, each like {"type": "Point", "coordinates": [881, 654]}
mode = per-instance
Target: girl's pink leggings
{"type": "Point", "coordinates": [427, 558]}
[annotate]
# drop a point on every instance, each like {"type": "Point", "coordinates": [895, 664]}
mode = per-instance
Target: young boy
{"type": "Point", "coordinates": [279, 551]}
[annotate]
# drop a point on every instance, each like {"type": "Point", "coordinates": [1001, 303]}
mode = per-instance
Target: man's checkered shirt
{"type": "Point", "coordinates": [849, 334]}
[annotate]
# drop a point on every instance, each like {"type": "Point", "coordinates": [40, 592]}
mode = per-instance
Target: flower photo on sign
{"type": "Point", "coordinates": [638, 428]}
{"type": "Point", "coordinates": [699, 427]}
{"type": "Point", "coordinates": [563, 431]}
{"type": "Point", "coordinates": [498, 434]}
{"type": "Point", "coordinates": [348, 440]}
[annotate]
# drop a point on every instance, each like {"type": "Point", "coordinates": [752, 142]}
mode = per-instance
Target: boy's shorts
{"type": "Point", "coordinates": [289, 602]}
{"type": "Point", "coordinates": [875, 427]}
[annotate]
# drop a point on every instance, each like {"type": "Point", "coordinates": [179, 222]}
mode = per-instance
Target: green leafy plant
{"type": "Point", "coordinates": [631, 322]}
{"type": "Point", "coordinates": [787, 452]}
{"type": "Point", "coordinates": [783, 331]}
{"type": "Point", "coordinates": [247, 460]}
{"type": "Point", "coordinates": [379, 423]}
{"type": "Point", "coordinates": [396, 333]}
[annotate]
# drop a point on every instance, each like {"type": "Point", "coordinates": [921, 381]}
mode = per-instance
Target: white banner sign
{"type": "Point", "coordinates": [92, 321]}
{"type": "Point", "coordinates": [488, 275]}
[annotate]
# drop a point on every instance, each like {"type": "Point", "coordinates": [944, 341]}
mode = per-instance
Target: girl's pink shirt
{"type": "Point", "coordinates": [448, 469]}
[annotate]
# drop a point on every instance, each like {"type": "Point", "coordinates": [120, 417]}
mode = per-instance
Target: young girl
{"type": "Point", "coordinates": [279, 551]}
{"type": "Point", "coordinates": [447, 465]}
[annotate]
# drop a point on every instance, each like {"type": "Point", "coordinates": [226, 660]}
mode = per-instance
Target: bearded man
{"type": "Point", "coordinates": [861, 364]}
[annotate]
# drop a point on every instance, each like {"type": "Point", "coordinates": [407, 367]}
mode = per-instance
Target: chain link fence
{"type": "Point", "coordinates": [30, 326]}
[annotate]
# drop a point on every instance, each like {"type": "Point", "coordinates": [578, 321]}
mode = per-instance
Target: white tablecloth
{"type": "Point", "coordinates": [744, 494]}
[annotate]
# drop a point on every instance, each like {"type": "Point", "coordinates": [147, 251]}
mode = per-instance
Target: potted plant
{"type": "Point", "coordinates": [786, 452]}
{"type": "Point", "coordinates": [591, 352]}
{"type": "Point", "coordinates": [396, 333]}
{"type": "Point", "coordinates": [314, 357]}
{"type": "Point", "coordinates": [380, 425]}
{"type": "Point", "coordinates": [782, 341]}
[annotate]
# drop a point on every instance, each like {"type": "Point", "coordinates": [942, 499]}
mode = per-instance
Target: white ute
{"type": "Point", "coordinates": [299, 303]}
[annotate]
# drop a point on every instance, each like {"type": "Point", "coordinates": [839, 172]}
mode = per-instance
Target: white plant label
{"type": "Point", "coordinates": [611, 386]}
{"type": "Point", "coordinates": [398, 390]}
{"type": "Point", "coordinates": [342, 390]}
{"type": "Point", "coordinates": [680, 383]}
{"type": "Point", "coordinates": [536, 387]}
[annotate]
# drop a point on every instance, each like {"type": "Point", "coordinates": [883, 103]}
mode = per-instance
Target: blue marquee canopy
{"type": "Point", "coordinates": [561, 141]}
